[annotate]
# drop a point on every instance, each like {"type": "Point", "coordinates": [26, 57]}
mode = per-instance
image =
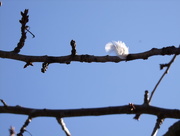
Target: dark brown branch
{"type": "Point", "coordinates": [23, 21]}
{"type": "Point", "coordinates": [63, 125]}
{"type": "Point", "coordinates": [89, 58]}
{"type": "Point", "coordinates": [142, 109]}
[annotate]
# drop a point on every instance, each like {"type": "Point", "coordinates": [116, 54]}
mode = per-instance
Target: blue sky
{"type": "Point", "coordinates": [142, 25]}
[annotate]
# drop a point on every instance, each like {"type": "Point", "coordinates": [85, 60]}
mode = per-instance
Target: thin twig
{"type": "Point", "coordinates": [27, 28]}
{"type": "Point", "coordinates": [165, 72]}
{"type": "Point", "coordinates": [23, 128]}
{"type": "Point", "coordinates": [159, 121]}
{"type": "Point", "coordinates": [63, 125]}
{"type": "Point", "coordinates": [98, 111]}
{"type": "Point", "coordinates": [4, 103]}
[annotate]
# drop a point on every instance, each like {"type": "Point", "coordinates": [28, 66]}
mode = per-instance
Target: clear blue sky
{"type": "Point", "coordinates": [142, 25]}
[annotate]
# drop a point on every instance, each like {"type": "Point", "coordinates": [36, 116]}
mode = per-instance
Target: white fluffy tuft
{"type": "Point", "coordinates": [118, 47]}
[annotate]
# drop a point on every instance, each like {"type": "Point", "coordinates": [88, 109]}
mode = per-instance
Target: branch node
{"type": "Point", "coordinates": [132, 107]}
{"type": "Point", "coordinates": [28, 64]}
{"type": "Point", "coordinates": [163, 65]}
{"type": "Point", "coordinates": [167, 50]}
{"type": "Point", "coordinates": [146, 103]}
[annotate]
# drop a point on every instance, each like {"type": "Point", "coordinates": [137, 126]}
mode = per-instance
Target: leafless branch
{"type": "Point", "coordinates": [89, 58]}
{"type": "Point", "coordinates": [148, 100]}
{"type": "Point", "coordinates": [63, 125]}
{"type": "Point", "coordinates": [142, 109]}
{"type": "Point", "coordinates": [23, 128]}
{"type": "Point", "coordinates": [165, 72]}
{"type": "Point", "coordinates": [23, 21]}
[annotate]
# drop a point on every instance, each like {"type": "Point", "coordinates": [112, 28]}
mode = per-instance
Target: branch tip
{"type": "Point", "coordinates": [23, 21]}
{"type": "Point", "coordinates": [146, 98]}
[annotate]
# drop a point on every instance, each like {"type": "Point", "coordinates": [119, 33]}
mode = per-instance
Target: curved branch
{"type": "Point", "coordinates": [89, 58]}
{"type": "Point", "coordinates": [126, 109]}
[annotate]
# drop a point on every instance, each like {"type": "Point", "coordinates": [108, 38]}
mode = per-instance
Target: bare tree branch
{"type": "Point", "coordinates": [89, 58]}
{"type": "Point", "coordinates": [126, 109]}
